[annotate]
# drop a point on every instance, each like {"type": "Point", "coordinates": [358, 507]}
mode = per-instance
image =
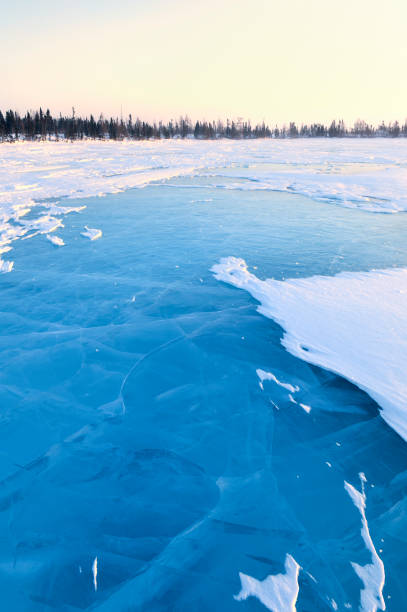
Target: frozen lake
{"type": "Point", "coordinates": [161, 449]}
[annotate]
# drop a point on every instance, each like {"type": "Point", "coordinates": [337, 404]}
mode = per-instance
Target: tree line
{"type": "Point", "coordinates": [40, 125]}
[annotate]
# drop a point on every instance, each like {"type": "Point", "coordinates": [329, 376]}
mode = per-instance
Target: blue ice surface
{"type": "Point", "coordinates": [133, 428]}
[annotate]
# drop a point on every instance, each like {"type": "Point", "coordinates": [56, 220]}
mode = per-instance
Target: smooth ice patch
{"type": "Point", "coordinates": [354, 324]}
{"type": "Point", "coordinates": [372, 575]}
{"type": "Point", "coordinates": [278, 593]}
{"type": "Point", "coordinates": [92, 233]}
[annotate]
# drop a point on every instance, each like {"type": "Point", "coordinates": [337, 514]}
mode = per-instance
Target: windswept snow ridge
{"type": "Point", "coordinates": [354, 324]}
{"type": "Point", "coordinates": [372, 575]}
{"type": "Point", "coordinates": [278, 593]}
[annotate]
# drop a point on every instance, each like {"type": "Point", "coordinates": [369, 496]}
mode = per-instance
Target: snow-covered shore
{"type": "Point", "coordinates": [366, 174]}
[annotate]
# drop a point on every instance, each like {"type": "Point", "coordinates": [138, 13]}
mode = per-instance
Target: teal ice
{"type": "Point", "coordinates": [142, 466]}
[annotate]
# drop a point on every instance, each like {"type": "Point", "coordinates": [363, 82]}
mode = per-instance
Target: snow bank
{"type": "Point", "coordinates": [354, 324]}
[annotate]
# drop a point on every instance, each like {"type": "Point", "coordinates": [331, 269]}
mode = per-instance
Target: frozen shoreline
{"type": "Point", "coordinates": [370, 175]}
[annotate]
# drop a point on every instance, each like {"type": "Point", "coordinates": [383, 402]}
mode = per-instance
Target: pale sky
{"type": "Point", "coordinates": [277, 60]}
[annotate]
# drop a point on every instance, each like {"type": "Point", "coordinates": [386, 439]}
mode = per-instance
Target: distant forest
{"type": "Point", "coordinates": [40, 125]}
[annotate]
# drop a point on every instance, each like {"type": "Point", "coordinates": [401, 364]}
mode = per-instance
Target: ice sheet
{"type": "Point", "coordinates": [131, 412]}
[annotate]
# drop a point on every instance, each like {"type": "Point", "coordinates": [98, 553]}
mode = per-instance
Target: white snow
{"type": "Point", "coordinates": [41, 225]}
{"type": "Point", "coordinates": [92, 233]}
{"type": "Point", "coordinates": [6, 266]}
{"type": "Point", "coordinates": [55, 240]}
{"type": "Point", "coordinates": [354, 324]}
{"type": "Point", "coordinates": [278, 593]}
{"type": "Point", "coordinates": [372, 575]}
{"type": "Point", "coordinates": [369, 174]}
{"type": "Point", "coordinates": [263, 375]}
{"type": "Point", "coordinates": [95, 573]}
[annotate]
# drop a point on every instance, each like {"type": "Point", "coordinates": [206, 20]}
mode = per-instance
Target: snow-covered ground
{"type": "Point", "coordinates": [367, 174]}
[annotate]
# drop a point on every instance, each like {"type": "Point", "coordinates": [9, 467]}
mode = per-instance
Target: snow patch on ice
{"type": "Point", "coordinates": [263, 375]}
{"type": "Point", "coordinates": [372, 575]}
{"type": "Point", "coordinates": [278, 593]}
{"type": "Point", "coordinates": [95, 573]}
{"type": "Point", "coordinates": [354, 324]}
{"type": "Point", "coordinates": [6, 266]}
{"type": "Point", "coordinates": [55, 240]}
{"type": "Point", "coordinates": [92, 233]}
